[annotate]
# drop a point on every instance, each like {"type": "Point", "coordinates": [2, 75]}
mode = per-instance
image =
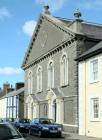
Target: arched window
{"type": "Point", "coordinates": [39, 79]}
{"type": "Point", "coordinates": [50, 75]}
{"type": "Point", "coordinates": [30, 82]}
{"type": "Point", "coordinates": [64, 70]}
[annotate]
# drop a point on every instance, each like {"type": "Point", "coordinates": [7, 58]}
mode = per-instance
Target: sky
{"type": "Point", "coordinates": [18, 19]}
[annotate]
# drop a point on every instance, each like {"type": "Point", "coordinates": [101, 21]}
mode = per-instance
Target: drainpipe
{"type": "Point", "coordinates": [85, 99]}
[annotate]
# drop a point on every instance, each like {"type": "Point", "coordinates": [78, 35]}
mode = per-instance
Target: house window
{"type": "Point", "coordinates": [30, 83]}
{"type": "Point", "coordinates": [50, 75]}
{"type": "Point", "coordinates": [95, 108]}
{"type": "Point", "coordinates": [64, 70]}
{"type": "Point", "coordinates": [14, 101]}
{"type": "Point", "coordinates": [94, 70]}
{"type": "Point", "coordinates": [39, 79]}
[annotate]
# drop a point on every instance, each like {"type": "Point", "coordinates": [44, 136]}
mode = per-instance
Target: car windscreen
{"type": "Point", "coordinates": [46, 121]}
{"type": "Point", "coordinates": [7, 131]}
{"type": "Point", "coordinates": [24, 121]}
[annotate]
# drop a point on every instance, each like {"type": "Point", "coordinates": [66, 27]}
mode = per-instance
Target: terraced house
{"type": "Point", "coordinates": [90, 88]}
{"type": "Point", "coordinates": [51, 72]}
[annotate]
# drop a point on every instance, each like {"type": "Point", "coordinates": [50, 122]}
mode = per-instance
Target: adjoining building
{"type": "Point", "coordinates": [90, 92]}
{"type": "Point", "coordinates": [51, 72]}
{"type": "Point", "coordinates": [12, 104]}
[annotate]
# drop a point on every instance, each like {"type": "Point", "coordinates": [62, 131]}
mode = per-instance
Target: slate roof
{"type": "Point", "coordinates": [97, 49]}
{"type": "Point", "coordinates": [89, 29]}
{"type": "Point", "coordinates": [13, 93]}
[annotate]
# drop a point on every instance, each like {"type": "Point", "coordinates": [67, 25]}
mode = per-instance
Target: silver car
{"type": "Point", "coordinates": [9, 132]}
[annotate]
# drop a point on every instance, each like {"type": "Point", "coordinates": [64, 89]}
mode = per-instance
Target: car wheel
{"type": "Point", "coordinates": [59, 135]}
{"type": "Point", "coordinates": [18, 129]}
{"type": "Point", "coordinates": [40, 134]}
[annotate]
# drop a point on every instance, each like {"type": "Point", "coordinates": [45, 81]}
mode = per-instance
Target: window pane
{"type": "Point", "coordinates": [94, 69]}
{"type": "Point", "coordinates": [50, 75]}
{"type": "Point", "coordinates": [95, 107]}
{"type": "Point", "coordinates": [14, 101]}
{"type": "Point", "coordinates": [64, 70]}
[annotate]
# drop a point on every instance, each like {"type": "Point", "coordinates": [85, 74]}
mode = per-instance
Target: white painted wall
{"type": "Point", "coordinates": [82, 109]}
{"type": "Point", "coordinates": [88, 90]}
{"type": "Point", "coordinates": [3, 108]}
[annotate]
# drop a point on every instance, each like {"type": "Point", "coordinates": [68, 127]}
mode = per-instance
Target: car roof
{"type": "Point", "coordinates": [43, 118]}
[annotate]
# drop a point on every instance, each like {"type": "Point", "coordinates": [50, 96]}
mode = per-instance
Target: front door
{"type": "Point", "coordinates": [54, 110]}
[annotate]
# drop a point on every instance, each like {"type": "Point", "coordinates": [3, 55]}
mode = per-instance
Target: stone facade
{"type": "Point", "coordinates": [53, 39]}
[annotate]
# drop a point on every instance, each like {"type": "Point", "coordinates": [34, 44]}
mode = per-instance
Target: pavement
{"type": "Point", "coordinates": [74, 136]}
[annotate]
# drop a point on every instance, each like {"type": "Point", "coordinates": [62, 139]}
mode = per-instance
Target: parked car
{"type": "Point", "coordinates": [9, 132]}
{"type": "Point", "coordinates": [22, 124]}
{"type": "Point", "coordinates": [5, 120]}
{"type": "Point", "coordinates": [45, 126]}
{"type": "Point", "coordinates": [1, 120]}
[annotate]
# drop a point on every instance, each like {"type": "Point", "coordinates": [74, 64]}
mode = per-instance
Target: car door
{"type": "Point", "coordinates": [33, 126]}
{"type": "Point", "coordinates": [37, 126]}
{"type": "Point", "coordinates": [16, 123]}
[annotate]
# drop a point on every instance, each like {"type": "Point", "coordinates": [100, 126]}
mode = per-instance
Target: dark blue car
{"type": "Point", "coordinates": [44, 127]}
{"type": "Point", "coordinates": [22, 124]}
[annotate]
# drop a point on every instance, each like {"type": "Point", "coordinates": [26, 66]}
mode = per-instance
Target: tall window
{"type": "Point", "coordinates": [95, 108]}
{"type": "Point", "coordinates": [50, 75]}
{"type": "Point", "coordinates": [64, 70]}
{"type": "Point", "coordinates": [39, 79]}
{"type": "Point", "coordinates": [94, 70]}
{"type": "Point", "coordinates": [30, 83]}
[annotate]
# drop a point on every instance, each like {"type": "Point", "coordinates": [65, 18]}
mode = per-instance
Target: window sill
{"type": "Point", "coordinates": [39, 91]}
{"type": "Point", "coordinates": [95, 120]}
{"type": "Point", "coordinates": [95, 81]}
{"type": "Point", "coordinates": [63, 86]}
{"type": "Point", "coordinates": [48, 89]}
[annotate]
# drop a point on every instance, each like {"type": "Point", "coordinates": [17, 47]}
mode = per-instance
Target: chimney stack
{"type": "Point", "coordinates": [6, 86]}
{"type": "Point", "coordinates": [19, 85]}
{"type": "Point", "coordinates": [76, 25]}
{"type": "Point", "coordinates": [10, 89]}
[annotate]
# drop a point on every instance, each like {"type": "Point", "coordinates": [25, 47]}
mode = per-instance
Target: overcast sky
{"type": "Point", "coordinates": [18, 19]}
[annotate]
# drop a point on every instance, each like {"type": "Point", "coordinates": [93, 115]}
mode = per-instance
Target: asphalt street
{"type": "Point", "coordinates": [45, 138]}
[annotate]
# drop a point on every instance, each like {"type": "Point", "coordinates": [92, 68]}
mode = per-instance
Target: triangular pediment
{"type": "Point", "coordinates": [49, 33]}
{"type": "Point", "coordinates": [50, 95]}
{"type": "Point", "coordinates": [54, 93]}
{"type": "Point", "coordinates": [31, 99]}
